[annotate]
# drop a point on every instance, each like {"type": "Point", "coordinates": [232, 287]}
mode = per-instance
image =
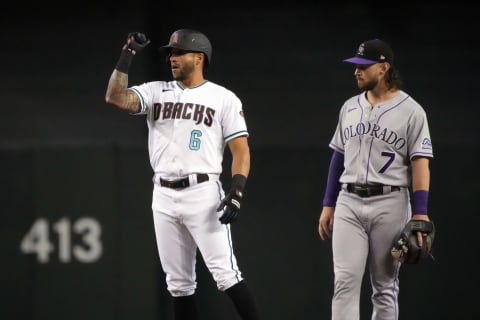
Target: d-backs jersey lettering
{"type": "Point", "coordinates": [189, 127]}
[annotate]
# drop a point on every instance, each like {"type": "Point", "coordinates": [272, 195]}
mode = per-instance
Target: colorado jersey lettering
{"type": "Point", "coordinates": [379, 142]}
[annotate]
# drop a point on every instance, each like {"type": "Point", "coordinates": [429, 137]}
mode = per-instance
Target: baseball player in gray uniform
{"type": "Point", "coordinates": [190, 121]}
{"type": "Point", "coordinates": [381, 152]}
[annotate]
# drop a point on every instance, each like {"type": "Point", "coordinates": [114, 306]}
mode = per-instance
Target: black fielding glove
{"type": "Point", "coordinates": [406, 249]}
{"type": "Point", "coordinates": [232, 202]}
{"type": "Point", "coordinates": [136, 42]}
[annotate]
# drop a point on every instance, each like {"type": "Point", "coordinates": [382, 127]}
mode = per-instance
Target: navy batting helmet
{"type": "Point", "coordinates": [190, 40]}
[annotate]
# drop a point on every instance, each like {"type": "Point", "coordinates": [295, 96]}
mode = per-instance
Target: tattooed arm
{"type": "Point", "coordinates": [118, 94]}
{"type": "Point", "coordinates": [117, 90]}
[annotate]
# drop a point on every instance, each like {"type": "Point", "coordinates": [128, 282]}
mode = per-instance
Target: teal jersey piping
{"type": "Point", "coordinates": [236, 134]}
{"type": "Point", "coordinates": [201, 84]}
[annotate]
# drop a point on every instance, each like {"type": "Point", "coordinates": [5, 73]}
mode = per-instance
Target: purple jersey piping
{"type": "Point", "coordinates": [360, 120]}
{"type": "Point", "coordinates": [371, 143]}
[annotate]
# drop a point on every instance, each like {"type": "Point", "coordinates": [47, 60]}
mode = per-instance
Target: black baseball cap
{"type": "Point", "coordinates": [372, 51]}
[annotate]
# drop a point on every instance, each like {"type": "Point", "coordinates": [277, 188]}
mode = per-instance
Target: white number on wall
{"type": "Point", "coordinates": [37, 240]}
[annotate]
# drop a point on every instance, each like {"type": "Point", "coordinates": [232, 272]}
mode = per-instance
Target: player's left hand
{"type": "Point", "coordinates": [408, 248]}
{"type": "Point", "coordinates": [230, 205]}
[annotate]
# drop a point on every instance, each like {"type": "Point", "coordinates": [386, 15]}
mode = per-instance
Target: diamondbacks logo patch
{"type": "Point", "coordinates": [175, 37]}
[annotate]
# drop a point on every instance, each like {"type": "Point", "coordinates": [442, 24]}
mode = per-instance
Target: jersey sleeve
{"type": "Point", "coordinates": [233, 118]}
{"type": "Point", "coordinates": [419, 136]}
{"type": "Point", "coordinates": [337, 142]}
{"type": "Point", "coordinates": [144, 93]}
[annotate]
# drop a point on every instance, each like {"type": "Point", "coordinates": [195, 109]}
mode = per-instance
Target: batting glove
{"type": "Point", "coordinates": [233, 200]}
{"type": "Point", "coordinates": [136, 42]}
{"type": "Point", "coordinates": [230, 205]}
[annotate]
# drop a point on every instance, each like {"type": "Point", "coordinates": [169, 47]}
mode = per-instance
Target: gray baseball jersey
{"type": "Point", "coordinates": [378, 144]}
{"type": "Point", "coordinates": [381, 140]}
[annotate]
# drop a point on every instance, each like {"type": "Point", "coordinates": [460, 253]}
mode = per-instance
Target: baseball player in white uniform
{"type": "Point", "coordinates": [381, 148]}
{"type": "Point", "coordinates": [190, 121]}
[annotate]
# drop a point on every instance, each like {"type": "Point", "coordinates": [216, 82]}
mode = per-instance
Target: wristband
{"type": "Point", "coordinates": [123, 64]}
{"type": "Point", "coordinates": [420, 202]}
{"type": "Point", "coordinates": [238, 182]}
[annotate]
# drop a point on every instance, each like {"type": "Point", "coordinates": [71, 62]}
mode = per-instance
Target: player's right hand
{"type": "Point", "coordinates": [325, 223]}
{"type": "Point", "coordinates": [230, 205]}
{"type": "Point", "coordinates": [136, 42]}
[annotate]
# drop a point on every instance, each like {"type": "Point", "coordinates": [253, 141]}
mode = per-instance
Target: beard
{"type": "Point", "coordinates": [367, 86]}
{"type": "Point", "coordinates": [184, 72]}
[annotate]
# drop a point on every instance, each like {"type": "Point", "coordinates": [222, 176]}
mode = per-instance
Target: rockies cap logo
{"type": "Point", "coordinates": [361, 49]}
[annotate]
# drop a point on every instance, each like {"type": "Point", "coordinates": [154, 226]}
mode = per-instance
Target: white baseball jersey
{"type": "Point", "coordinates": [378, 143]}
{"type": "Point", "coordinates": [189, 127]}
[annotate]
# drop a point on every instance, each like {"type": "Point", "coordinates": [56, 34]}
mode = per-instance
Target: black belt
{"type": "Point", "coordinates": [182, 183]}
{"type": "Point", "coordinates": [365, 190]}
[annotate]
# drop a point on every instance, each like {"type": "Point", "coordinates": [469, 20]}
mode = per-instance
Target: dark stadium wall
{"type": "Point", "coordinates": [77, 237]}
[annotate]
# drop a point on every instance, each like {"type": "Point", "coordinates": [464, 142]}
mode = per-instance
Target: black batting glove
{"type": "Point", "coordinates": [230, 205]}
{"type": "Point", "coordinates": [136, 42]}
{"type": "Point", "coordinates": [232, 202]}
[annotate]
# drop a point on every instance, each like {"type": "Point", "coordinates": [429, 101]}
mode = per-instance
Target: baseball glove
{"type": "Point", "coordinates": [406, 248]}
